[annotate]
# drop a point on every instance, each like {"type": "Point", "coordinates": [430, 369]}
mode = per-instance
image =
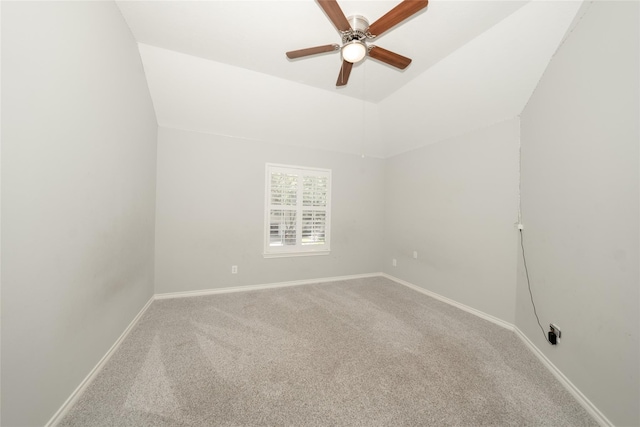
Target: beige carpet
{"type": "Point", "coordinates": [365, 352]}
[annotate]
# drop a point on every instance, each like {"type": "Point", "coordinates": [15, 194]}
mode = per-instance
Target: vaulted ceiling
{"type": "Point", "coordinates": [220, 67]}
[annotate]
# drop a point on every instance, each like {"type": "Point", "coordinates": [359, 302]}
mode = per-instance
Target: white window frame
{"type": "Point", "coordinates": [298, 249]}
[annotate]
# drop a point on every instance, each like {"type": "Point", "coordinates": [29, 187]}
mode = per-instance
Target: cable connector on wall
{"type": "Point", "coordinates": [554, 334]}
{"type": "Point", "coordinates": [520, 226]}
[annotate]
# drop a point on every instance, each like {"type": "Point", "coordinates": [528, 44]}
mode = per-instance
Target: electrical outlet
{"type": "Point", "coordinates": [234, 269]}
{"type": "Point", "coordinates": [394, 262]}
{"type": "Point", "coordinates": [556, 330]}
{"type": "Point", "coordinates": [415, 254]}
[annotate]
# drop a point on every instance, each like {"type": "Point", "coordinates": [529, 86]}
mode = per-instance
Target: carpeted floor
{"type": "Point", "coordinates": [365, 352]}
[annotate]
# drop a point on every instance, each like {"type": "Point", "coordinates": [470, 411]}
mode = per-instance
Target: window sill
{"type": "Point", "coordinates": [294, 254]}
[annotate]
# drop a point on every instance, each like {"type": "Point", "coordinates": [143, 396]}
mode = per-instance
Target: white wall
{"type": "Point", "coordinates": [455, 202]}
{"type": "Point", "coordinates": [210, 212]}
{"type": "Point", "coordinates": [580, 148]}
{"type": "Point", "coordinates": [78, 181]}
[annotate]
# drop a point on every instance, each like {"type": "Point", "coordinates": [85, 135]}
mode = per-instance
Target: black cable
{"type": "Point", "coordinates": [526, 270]}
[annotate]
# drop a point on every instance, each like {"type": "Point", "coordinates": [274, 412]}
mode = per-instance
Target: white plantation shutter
{"type": "Point", "coordinates": [314, 209]}
{"type": "Point", "coordinates": [297, 220]}
{"type": "Point", "coordinates": [282, 210]}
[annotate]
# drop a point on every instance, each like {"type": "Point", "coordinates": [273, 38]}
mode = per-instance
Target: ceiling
{"type": "Point", "coordinates": [256, 34]}
{"type": "Point", "coordinates": [213, 66]}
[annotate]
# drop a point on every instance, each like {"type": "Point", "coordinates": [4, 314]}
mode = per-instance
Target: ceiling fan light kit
{"type": "Point", "coordinates": [354, 51]}
{"type": "Point", "coordinates": [354, 48]}
{"type": "Point", "coordinates": [355, 31]}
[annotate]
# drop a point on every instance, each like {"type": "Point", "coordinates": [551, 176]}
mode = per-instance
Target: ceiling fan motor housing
{"type": "Point", "coordinates": [359, 27]}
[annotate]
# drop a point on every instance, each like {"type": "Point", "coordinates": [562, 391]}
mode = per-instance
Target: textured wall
{"type": "Point", "coordinates": [78, 182]}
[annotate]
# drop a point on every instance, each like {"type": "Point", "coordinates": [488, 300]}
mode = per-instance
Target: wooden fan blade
{"type": "Point", "coordinates": [396, 15]}
{"type": "Point", "coordinates": [335, 14]}
{"type": "Point", "coordinates": [312, 51]}
{"type": "Point", "coordinates": [388, 57]}
{"type": "Point", "coordinates": [345, 70]}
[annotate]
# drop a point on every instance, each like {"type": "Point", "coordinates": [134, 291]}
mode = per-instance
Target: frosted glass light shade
{"type": "Point", "coordinates": [354, 51]}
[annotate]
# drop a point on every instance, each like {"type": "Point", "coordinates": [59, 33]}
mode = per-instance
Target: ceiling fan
{"type": "Point", "coordinates": [355, 31]}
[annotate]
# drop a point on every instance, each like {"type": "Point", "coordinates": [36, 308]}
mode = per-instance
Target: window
{"type": "Point", "coordinates": [297, 212]}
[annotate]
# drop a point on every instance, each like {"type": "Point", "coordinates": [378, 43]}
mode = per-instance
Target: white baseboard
{"type": "Point", "coordinates": [575, 392]}
{"type": "Point", "coordinates": [68, 404]}
{"type": "Point", "coordinates": [71, 400]}
{"type": "Point", "coordinates": [262, 286]}
{"type": "Point", "coordinates": [566, 383]}
{"type": "Point", "coordinates": [456, 304]}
